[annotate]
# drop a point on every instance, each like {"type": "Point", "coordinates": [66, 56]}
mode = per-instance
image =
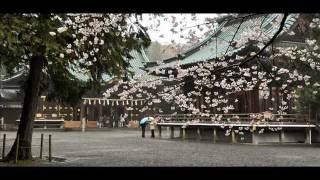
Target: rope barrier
{"type": "Point", "coordinates": [42, 142]}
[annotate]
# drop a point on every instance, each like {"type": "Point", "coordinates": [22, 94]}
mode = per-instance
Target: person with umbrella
{"type": "Point", "coordinates": [143, 123]}
{"type": "Point", "coordinates": [153, 125]}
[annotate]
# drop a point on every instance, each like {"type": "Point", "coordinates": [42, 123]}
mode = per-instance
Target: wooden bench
{"type": "Point", "coordinates": [77, 124]}
{"type": "Point", "coordinates": [91, 124]}
{"type": "Point", "coordinates": [72, 124]}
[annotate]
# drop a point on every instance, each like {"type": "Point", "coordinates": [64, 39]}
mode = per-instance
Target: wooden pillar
{"type": "Point", "coordinates": [99, 110]}
{"type": "Point", "coordinates": [160, 130]}
{"type": "Point", "coordinates": [308, 136]}
{"type": "Point", "coordinates": [214, 135]}
{"type": "Point", "coordinates": [256, 101]}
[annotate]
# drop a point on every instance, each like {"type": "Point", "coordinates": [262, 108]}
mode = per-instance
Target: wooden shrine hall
{"type": "Point", "coordinates": [93, 109]}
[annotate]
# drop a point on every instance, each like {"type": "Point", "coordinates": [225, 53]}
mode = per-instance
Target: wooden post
{"type": "Point", "coordinates": [17, 149]}
{"type": "Point", "coordinates": [172, 132]}
{"type": "Point", "coordinates": [41, 146]}
{"type": "Point", "coordinates": [214, 135]}
{"type": "Point", "coordinates": [160, 130]}
{"type": "Point", "coordinates": [3, 145]}
{"type": "Point", "coordinates": [50, 155]}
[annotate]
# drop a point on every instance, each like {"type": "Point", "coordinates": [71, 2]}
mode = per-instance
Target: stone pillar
{"type": "Point", "coordinates": [181, 132]}
{"type": "Point", "coordinates": [171, 132]}
{"type": "Point", "coordinates": [184, 133]}
{"type": "Point", "coordinates": [199, 133]}
{"type": "Point", "coordinates": [82, 111]}
{"type": "Point", "coordinates": [100, 115]}
{"type": "Point", "coordinates": [2, 122]}
{"type": "Point", "coordinates": [233, 136]}
{"type": "Point", "coordinates": [254, 138]}
{"type": "Point", "coordinates": [281, 136]}
{"type": "Point", "coordinates": [308, 136]}
{"type": "Point", "coordinates": [214, 135]}
{"type": "Point", "coordinates": [83, 124]}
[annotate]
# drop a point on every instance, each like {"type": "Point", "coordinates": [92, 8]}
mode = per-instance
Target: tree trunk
{"type": "Point", "coordinates": [30, 102]}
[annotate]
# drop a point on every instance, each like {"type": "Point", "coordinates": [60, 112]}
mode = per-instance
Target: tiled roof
{"type": "Point", "coordinates": [137, 64]}
{"type": "Point", "coordinates": [217, 44]}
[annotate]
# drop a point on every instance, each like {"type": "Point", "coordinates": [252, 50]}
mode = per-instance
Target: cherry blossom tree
{"type": "Point", "coordinates": [53, 48]}
{"type": "Point", "coordinates": [252, 61]}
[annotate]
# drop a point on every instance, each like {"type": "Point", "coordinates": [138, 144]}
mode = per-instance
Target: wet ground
{"type": "Point", "coordinates": [121, 147]}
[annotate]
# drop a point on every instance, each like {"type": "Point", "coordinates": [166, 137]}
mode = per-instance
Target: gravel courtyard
{"type": "Point", "coordinates": [121, 147]}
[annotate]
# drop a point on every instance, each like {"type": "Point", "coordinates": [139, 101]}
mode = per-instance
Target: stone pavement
{"type": "Point", "coordinates": [121, 147]}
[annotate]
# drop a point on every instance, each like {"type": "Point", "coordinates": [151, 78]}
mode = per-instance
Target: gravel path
{"type": "Point", "coordinates": [118, 147]}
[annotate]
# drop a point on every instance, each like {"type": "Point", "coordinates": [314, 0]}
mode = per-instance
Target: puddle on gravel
{"type": "Point", "coordinates": [56, 159]}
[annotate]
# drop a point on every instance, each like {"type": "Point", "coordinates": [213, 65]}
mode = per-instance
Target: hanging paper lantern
{"type": "Point", "coordinates": [99, 101]}
{"type": "Point", "coordinates": [117, 102]}
{"type": "Point", "coordinates": [127, 102]}
{"type": "Point", "coordinates": [108, 102]}
{"type": "Point", "coordinates": [104, 102]}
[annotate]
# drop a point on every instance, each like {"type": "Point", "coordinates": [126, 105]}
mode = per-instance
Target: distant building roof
{"type": "Point", "coordinates": [10, 85]}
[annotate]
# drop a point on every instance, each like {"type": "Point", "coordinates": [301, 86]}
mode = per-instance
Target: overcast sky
{"type": "Point", "coordinates": [185, 21]}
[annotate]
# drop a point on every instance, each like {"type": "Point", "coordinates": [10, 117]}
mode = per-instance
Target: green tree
{"type": "Point", "coordinates": [53, 47]}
